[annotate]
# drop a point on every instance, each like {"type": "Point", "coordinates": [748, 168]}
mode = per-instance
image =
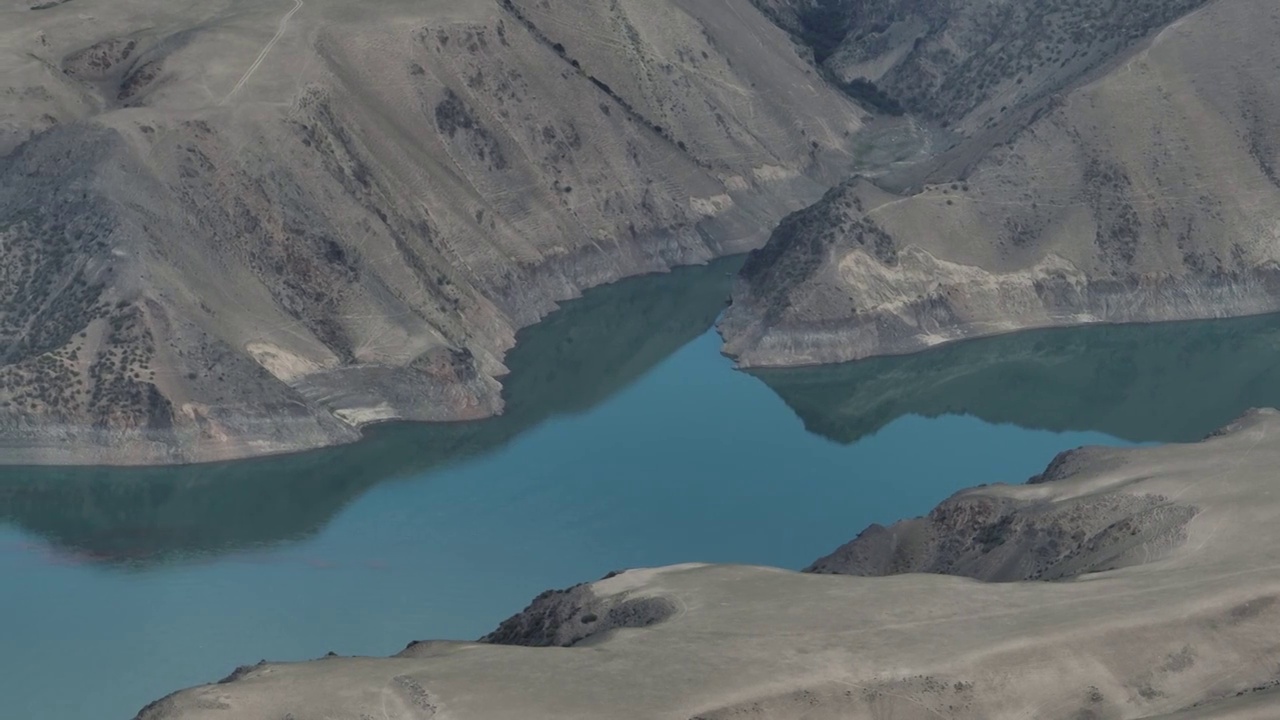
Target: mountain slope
{"type": "Point", "coordinates": [237, 228]}
{"type": "Point", "coordinates": [968, 64]}
{"type": "Point", "coordinates": [1148, 194]}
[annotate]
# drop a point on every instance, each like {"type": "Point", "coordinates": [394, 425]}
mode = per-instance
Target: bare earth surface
{"type": "Point", "coordinates": [1164, 603]}
{"type": "Point", "coordinates": [233, 228]}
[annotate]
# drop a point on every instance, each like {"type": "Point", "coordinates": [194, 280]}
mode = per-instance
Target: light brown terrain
{"type": "Point", "coordinates": [1149, 193]}
{"type": "Point", "coordinates": [1165, 569]}
{"type": "Point", "coordinates": [233, 228]}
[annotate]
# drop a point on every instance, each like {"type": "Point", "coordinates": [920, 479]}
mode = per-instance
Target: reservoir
{"type": "Point", "coordinates": [628, 441]}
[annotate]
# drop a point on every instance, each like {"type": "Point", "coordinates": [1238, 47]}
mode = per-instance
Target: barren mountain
{"type": "Point", "coordinates": [1149, 193]}
{"type": "Point", "coordinates": [236, 227]}
{"type": "Point", "coordinates": [1155, 590]}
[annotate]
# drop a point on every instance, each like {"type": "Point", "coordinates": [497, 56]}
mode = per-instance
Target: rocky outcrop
{"type": "Point", "coordinates": [207, 258]}
{"type": "Point", "coordinates": [999, 540]}
{"type": "Point", "coordinates": [1145, 195]}
{"type": "Point", "coordinates": [564, 618]}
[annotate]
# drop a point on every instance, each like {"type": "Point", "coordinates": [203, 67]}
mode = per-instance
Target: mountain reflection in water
{"type": "Point", "coordinates": [572, 361]}
{"type": "Point", "coordinates": [1168, 382]}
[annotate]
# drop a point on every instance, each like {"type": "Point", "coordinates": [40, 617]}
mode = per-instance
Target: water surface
{"type": "Point", "coordinates": [628, 441]}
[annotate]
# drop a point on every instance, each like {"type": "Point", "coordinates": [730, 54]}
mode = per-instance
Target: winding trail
{"type": "Point", "coordinates": [284, 25]}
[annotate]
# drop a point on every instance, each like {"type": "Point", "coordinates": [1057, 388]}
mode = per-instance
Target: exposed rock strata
{"type": "Point", "coordinates": [1145, 195]}
{"type": "Point", "coordinates": [998, 540]}
{"type": "Point", "coordinates": [219, 242]}
{"type": "Point", "coordinates": [1168, 610]}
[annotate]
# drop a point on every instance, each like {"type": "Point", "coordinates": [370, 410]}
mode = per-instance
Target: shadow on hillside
{"type": "Point", "coordinates": [1171, 382]}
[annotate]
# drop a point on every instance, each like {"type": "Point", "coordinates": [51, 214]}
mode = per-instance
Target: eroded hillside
{"type": "Point", "coordinates": [1148, 194]}
{"type": "Point", "coordinates": [233, 228]}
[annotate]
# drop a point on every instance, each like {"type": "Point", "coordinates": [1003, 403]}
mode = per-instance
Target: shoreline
{"type": "Point", "coordinates": [696, 635]}
{"type": "Point", "coordinates": [49, 446]}
{"type": "Point", "coordinates": [934, 322]}
{"type": "Point", "coordinates": [88, 454]}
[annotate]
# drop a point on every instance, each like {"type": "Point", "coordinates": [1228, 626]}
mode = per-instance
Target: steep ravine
{"type": "Point", "coordinates": [1148, 194]}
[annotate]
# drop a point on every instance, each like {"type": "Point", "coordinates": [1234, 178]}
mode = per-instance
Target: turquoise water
{"type": "Point", "coordinates": [629, 441]}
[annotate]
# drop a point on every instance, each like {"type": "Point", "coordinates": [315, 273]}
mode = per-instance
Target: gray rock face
{"type": "Point", "coordinates": [244, 228]}
{"type": "Point", "coordinates": [1146, 194]}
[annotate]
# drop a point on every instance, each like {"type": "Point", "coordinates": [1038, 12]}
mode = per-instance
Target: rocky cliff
{"type": "Point", "coordinates": [1147, 193]}
{"type": "Point", "coordinates": [235, 228]}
